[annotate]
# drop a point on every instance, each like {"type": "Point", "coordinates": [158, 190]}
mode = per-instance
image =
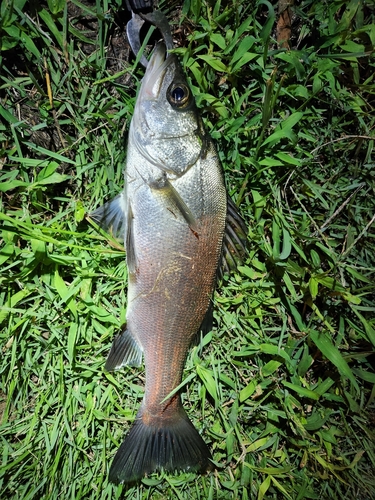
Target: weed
{"type": "Point", "coordinates": [283, 388]}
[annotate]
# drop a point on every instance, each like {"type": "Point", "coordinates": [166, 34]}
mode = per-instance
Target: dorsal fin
{"type": "Point", "coordinates": [235, 240]}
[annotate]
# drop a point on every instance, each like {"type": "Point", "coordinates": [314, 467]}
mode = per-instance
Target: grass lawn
{"type": "Point", "coordinates": [283, 388]}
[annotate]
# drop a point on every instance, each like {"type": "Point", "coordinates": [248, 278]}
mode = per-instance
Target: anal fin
{"type": "Point", "coordinates": [206, 325]}
{"type": "Point", "coordinates": [125, 351]}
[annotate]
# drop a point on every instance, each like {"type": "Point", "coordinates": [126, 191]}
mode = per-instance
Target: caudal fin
{"type": "Point", "coordinates": [170, 446]}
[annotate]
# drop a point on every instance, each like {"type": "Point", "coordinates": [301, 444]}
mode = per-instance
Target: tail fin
{"type": "Point", "coordinates": [169, 446]}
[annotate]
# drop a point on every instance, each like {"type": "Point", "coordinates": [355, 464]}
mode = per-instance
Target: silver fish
{"type": "Point", "coordinates": [172, 215]}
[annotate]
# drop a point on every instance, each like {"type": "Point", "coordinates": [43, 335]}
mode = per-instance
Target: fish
{"type": "Point", "coordinates": [173, 218]}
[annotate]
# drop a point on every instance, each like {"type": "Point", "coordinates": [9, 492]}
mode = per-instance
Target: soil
{"type": "Point", "coordinates": [118, 56]}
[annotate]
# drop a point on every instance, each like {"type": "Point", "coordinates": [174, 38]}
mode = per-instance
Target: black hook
{"type": "Point", "coordinates": [134, 26]}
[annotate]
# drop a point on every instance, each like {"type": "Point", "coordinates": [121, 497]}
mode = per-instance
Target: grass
{"type": "Point", "coordinates": [283, 388]}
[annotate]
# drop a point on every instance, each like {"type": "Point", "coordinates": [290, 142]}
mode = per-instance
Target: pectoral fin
{"type": "Point", "coordinates": [174, 203]}
{"type": "Point", "coordinates": [112, 216]}
{"type": "Point", "coordinates": [235, 240]}
{"type": "Point", "coordinates": [131, 258]}
{"type": "Point", "coordinates": [125, 351]}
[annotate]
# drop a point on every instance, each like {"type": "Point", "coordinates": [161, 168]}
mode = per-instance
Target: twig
{"type": "Point", "coordinates": [343, 138]}
{"type": "Point", "coordinates": [358, 268]}
{"type": "Point", "coordinates": [341, 207]}
{"type": "Point", "coordinates": [358, 237]}
{"type": "Point", "coordinates": [317, 229]}
{"type": "Point", "coordinates": [50, 97]}
{"type": "Point", "coordinates": [37, 25]}
{"type": "Point", "coordinates": [286, 198]}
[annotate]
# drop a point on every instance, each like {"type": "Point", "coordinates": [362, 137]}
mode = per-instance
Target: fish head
{"type": "Point", "coordinates": [166, 128]}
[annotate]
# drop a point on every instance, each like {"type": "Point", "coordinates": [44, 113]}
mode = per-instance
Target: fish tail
{"type": "Point", "coordinates": [165, 445]}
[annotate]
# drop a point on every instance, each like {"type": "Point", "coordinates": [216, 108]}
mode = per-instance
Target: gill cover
{"type": "Point", "coordinates": [165, 127]}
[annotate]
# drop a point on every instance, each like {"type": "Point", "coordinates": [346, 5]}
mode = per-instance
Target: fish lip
{"type": "Point", "coordinates": [154, 76]}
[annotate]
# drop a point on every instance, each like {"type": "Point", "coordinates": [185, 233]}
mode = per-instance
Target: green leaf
{"type": "Point", "coordinates": [56, 6]}
{"type": "Point", "coordinates": [6, 252]}
{"type": "Point", "coordinates": [364, 375]}
{"type": "Point", "coordinates": [215, 63]}
{"type": "Point", "coordinates": [79, 213]}
{"type": "Point", "coordinates": [274, 350]}
{"type": "Point", "coordinates": [268, 25]}
{"type": "Point", "coordinates": [27, 41]}
{"type": "Point", "coordinates": [370, 331]}
{"type": "Point", "coordinates": [64, 293]}
{"type": "Point", "coordinates": [245, 59]}
{"type": "Point", "coordinates": [315, 421]}
{"type": "Point", "coordinates": [288, 158]}
{"type": "Point", "coordinates": [313, 287]}
{"type": "Point", "coordinates": [259, 202]}
{"type": "Point", "coordinates": [324, 386]}
{"type": "Point", "coordinates": [14, 300]}
{"type": "Point", "coordinates": [302, 391]}
{"type": "Point", "coordinates": [246, 43]}
{"type": "Point", "coordinates": [72, 335]}
{"type": "Point", "coordinates": [263, 488]}
{"type": "Point", "coordinates": [287, 245]}
{"type": "Point", "coordinates": [219, 40]}
{"type": "Point", "coordinates": [8, 186]}
{"type": "Point", "coordinates": [284, 130]}
{"type": "Point", "coordinates": [208, 380]}
{"type": "Point", "coordinates": [52, 179]}
{"type": "Point", "coordinates": [247, 391]}
{"type": "Point", "coordinates": [270, 367]}
{"type": "Point", "coordinates": [259, 443]}
{"type": "Point", "coordinates": [325, 345]}
{"type": "Point", "coordinates": [8, 43]}
{"type": "Point", "coordinates": [45, 15]}
{"type": "Point", "coordinates": [6, 13]}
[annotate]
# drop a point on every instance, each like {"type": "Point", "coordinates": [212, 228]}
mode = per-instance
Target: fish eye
{"type": "Point", "coordinates": [178, 95]}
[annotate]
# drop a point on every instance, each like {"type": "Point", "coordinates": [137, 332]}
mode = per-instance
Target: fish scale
{"type": "Point", "coordinates": [172, 216]}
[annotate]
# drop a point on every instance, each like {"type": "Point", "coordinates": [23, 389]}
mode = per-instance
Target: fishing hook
{"type": "Point", "coordinates": [134, 26]}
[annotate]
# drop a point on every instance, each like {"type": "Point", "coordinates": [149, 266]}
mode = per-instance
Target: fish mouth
{"type": "Point", "coordinates": [154, 76]}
